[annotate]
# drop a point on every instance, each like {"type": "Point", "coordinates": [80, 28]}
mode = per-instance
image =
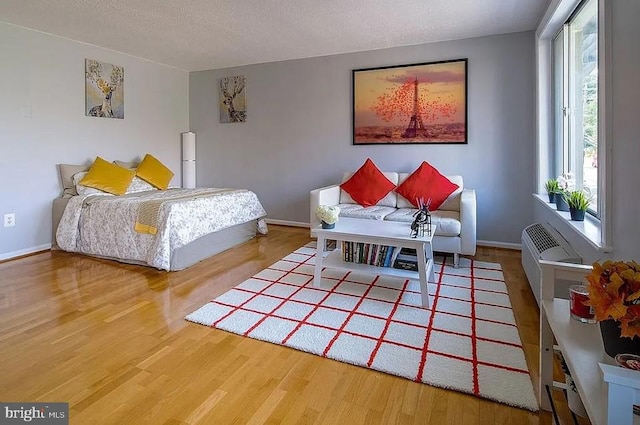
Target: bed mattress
{"type": "Point", "coordinates": [104, 225]}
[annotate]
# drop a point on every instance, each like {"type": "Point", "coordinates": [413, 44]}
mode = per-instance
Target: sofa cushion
{"type": "Point", "coordinates": [448, 222]}
{"type": "Point", "coordinates": [368, 185]}
{"type": "Point", "coordinates": [374, 212]}
{"type": "Point", "coordinates": [426, 183]}
{"type": "Point", "coordinates": [452, 203]}
{"type": "Point", "coordinates": [390, 199]}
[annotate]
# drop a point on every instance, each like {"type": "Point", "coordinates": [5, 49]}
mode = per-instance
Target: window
{"type": "Point", "coordinates": [575, 86]}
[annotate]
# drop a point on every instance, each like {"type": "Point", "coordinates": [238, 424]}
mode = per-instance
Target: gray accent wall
{"type": "Point", "coordinates": [298, 131]}
{"type": "Point", "coordinates": [43, 123]}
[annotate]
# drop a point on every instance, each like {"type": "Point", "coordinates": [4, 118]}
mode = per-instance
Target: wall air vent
{"type": "Point", "coordinates": [543, 242]}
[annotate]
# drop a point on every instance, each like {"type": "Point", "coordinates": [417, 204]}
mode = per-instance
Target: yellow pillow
{"type": "Point", "coordinates": [154, 172]}
{"type": "Point", "coordinates": [108, 177]}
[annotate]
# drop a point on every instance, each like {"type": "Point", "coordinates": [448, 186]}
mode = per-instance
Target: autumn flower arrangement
{"type": "Point", "coordinates": [614, 293]}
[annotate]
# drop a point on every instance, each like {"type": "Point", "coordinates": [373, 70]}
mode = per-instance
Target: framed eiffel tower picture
{"type": "Point", "coordinates": [411, 104]}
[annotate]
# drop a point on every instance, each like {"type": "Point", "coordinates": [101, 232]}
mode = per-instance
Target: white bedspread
{"type": "Point", "coordinates": [103, 225]}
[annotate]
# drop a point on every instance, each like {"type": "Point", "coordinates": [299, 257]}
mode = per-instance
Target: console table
{"type": "Point", "coordinates": [608, 391]}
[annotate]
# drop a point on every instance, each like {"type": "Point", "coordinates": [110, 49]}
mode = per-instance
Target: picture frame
{"type": "Point", "coordinates": [233, 99]}
{"type": "Point", "coordinates": [421, 103]}
{"type": "Point", "coordinates": [104, 89]}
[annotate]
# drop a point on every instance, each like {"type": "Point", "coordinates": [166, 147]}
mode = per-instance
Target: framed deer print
{"type": "Point", "coordinates": [410, 104]}
{"type": "Point", "coordinates": [233, 99]}
{"type": "Point", "coordinates": [104, 89]}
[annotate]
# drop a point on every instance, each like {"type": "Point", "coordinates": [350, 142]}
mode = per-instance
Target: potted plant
{"type": "Point", "coordinates": [561, 200]}
{"type": "Point", "coordinates": [578, 204]}
{"type": "Point", "coordinates": [552, 187]}
{"type": "Point", "coordinates": [566, 183]}
{"type": "Point", "coordinates": [328, 215]}
{"type": "Point", "coordinates": [614, 295]}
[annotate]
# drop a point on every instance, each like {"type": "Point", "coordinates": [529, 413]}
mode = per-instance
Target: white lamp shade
{"type": "Point", "coordinates": [189, 160]}
{"type": "Point", "coordinates": [188, 174]}
{"type": "Point", "coordinates": [189, 146]}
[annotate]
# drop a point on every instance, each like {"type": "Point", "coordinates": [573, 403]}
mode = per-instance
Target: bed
{"type": "Point", "coordinates": [167, 229]}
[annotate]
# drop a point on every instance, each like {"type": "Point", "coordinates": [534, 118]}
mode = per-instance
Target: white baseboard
{"type": "Point", "coordinates": [287, 223]}
{"type": "Point", "coordinates": [21, 252]}
{"type": "Point", "coordinates": [494, 244]}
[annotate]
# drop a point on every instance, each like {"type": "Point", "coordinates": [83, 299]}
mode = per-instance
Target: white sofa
{"type": "Point", "coordinates": [456, 217]}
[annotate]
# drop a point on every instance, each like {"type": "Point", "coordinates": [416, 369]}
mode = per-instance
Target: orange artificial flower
{"type": "Point", "coordinates": [614, 293]}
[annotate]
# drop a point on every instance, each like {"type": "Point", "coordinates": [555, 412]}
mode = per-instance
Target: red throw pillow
{"type": "Point", "coordinates": [368, 185]}
{"type": "Point", "coordinates": [427, 183]}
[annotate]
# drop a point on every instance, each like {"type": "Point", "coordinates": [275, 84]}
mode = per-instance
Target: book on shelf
{"type": "Point", "coordinates": [371, 254]}
{"type": "Point", "coordinates": [407, 259]}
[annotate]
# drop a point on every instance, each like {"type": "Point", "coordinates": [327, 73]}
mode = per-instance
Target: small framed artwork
{"type": "Point", "coordinates": [233, 99]}
{"type": "Point", "coordinates": [410, 104]}
{"type": "Point", "coordinates": [104, 89]}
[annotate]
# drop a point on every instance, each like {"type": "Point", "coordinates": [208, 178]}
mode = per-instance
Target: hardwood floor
{"type": "Point", "coordinates": [111, 340]}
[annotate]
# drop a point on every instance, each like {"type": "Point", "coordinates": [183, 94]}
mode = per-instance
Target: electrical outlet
{"type": "Point", "coordinates": [9, 220]}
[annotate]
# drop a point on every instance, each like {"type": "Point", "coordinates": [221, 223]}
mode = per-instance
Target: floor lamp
{"type": "Point", "coordinates": [189, 160]}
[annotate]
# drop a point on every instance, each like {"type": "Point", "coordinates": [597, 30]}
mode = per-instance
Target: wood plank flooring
{"type": "Point", "coordinates": [111, 340]}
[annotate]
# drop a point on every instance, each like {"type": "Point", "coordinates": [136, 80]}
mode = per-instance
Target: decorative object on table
{"type": "Point", "coordinates": [422, 221]}
{"type": "Point", "coordinates": [579, 304]}
{"type": "Point", "coordinates": [578, 203]}
{"type": "Point", "coordinates": [233, 99]}
{"type": "Point", "coordinates": [552, 187]}
{"type": "Point", "coordinates": [630, 361]}
{"type": "Point", "coordinates": [614, 294]}
{"type": "Point", "coordinates": [406, 259]}
{"type": "Point", "coordinates": [410, 104]}
{"type": "Point", "coordinates": [104, 89]}
{"type": "Point", "coordinates": [328, 215]}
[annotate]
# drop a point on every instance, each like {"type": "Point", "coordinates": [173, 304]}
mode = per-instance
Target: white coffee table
{"type": "Point", "coordinates": [376, 232]}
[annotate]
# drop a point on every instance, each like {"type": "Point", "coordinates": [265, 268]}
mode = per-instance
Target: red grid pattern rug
{"type": "Point", "coordinates": [470, 344]}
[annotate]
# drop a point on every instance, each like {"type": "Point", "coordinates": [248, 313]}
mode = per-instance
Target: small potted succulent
{"type": "Point", "coordinates": [578, 203]}
{"type": "Point", "coordinates": [328, 215]}
{"type": "Point", "coordinates": [552, 187]}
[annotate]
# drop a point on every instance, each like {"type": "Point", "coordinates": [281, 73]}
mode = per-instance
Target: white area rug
{"type": "Point", "coordinates": [471, 343]}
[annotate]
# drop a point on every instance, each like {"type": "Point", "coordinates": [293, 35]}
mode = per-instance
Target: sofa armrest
{"type": "Point", "coordinates": [328, 195]}
{"type": "Point", "coordinates": [468, 222]}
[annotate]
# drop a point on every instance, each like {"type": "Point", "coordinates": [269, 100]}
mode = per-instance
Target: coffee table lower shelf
{"type": "Point", "coordinates": [334, 260]}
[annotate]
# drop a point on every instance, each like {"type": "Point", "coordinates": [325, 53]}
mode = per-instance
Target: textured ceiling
{"type": "Point", "coordinates": [205, 34]}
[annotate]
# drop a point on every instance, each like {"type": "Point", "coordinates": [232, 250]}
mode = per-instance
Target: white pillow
{"type": "Point", "coordinates": [139, 185]}
{"type": "Point", "coordinates": [85, 190]}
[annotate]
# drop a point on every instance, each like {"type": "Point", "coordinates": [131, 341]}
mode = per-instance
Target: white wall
{"type": "Point", "coordinates": [298, 131]}
{"type": "Point", "coordinates": [43, 123]}
{"type": "Point", "coordinates": [623, 171]}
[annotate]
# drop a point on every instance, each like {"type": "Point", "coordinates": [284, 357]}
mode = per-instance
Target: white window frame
{"type": "Point", "coordinates": [596, 230]}
{"type": "Point", "coordinates": [569, 152]}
